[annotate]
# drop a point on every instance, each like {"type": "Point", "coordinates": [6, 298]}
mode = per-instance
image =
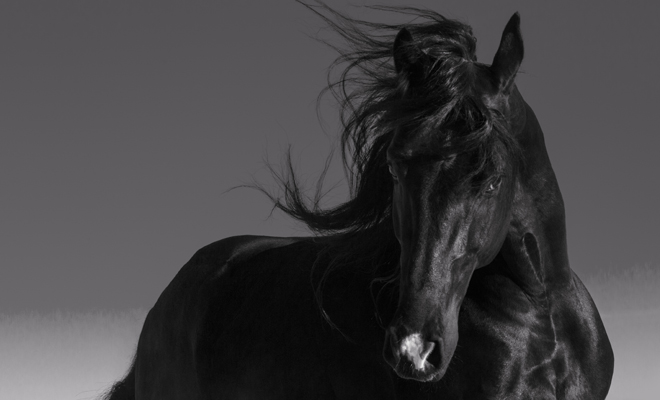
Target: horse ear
{"type": "Point", "coordinates": [509, 55]}
{"type": "Point", "coordinates": [408, 59]}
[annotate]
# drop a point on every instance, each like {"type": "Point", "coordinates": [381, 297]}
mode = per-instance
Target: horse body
{"type": "Point", "coordinates": [239, 321]}
{"type": "Point", "coordinates": [447, 279]}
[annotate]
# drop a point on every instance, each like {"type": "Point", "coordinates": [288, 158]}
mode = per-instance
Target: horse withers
{"type": "Point", "coordinates": [445, 275]}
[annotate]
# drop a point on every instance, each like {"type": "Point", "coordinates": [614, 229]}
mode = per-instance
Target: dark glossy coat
{"type": "Point", "coordinates": [482, 276]}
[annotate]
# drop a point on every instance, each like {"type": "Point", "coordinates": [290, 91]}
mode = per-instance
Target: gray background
{"type": "Point", "coordinates": [123, 124]}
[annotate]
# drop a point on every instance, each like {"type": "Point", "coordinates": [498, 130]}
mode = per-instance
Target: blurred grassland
{"type": "Point", "coordinates": [628, 300]}
{"type": "Point", "coordinates": [76, 356]}
{"type": "Point", "coordinates": [634, 289]}
{"type": "Point", "coordinates": [64, 355]}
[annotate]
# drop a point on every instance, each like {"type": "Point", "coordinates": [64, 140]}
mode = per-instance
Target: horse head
{"type": "Point", "coordinates": [461, 187]}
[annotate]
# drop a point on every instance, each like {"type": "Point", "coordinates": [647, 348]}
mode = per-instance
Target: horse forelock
{"type": "Point", "coordinates": [446, 114]}
{"type": "Point", "coordinates": [438, 116]}
{"type": "Point", "coordinates": [468, 131]}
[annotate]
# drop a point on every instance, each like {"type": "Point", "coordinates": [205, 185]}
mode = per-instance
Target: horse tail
{"type": "Point", "coordinates": [123, 389]}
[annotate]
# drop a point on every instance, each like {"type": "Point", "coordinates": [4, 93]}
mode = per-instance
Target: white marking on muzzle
{"type": "Point", "coordinates": [413, 348]}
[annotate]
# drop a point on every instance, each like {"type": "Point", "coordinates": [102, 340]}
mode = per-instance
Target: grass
{"type": "Point", "coordinates": [76, 356]}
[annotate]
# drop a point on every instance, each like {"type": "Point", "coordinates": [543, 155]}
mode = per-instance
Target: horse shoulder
{"type": "Point", "coordinates": [502, 324]}
{"type": "Point", "coordinates": [585, 353]}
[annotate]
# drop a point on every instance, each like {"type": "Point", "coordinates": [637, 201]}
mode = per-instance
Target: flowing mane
{"type": "Point", "coordinates": [373, 107]}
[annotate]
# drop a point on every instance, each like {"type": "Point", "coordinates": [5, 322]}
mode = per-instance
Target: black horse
{"type": "Point", "coordinates": [445, 275]}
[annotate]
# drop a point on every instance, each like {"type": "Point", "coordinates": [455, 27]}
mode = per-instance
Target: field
{"type": "Point", "coordinates": [76, 356]}
{"type": "Point", "coordinates": [629, 303]}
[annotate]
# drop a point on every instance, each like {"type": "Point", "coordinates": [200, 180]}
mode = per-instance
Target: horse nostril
{"type": "Point", "coordinates": [422, 354]}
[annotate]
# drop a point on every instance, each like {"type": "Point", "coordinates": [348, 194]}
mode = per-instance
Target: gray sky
{"type": "Point", "coordinates": [124, 123]}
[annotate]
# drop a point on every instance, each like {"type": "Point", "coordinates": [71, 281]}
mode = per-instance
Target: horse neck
{"type": "Point", "coordinates": [535, 248]}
